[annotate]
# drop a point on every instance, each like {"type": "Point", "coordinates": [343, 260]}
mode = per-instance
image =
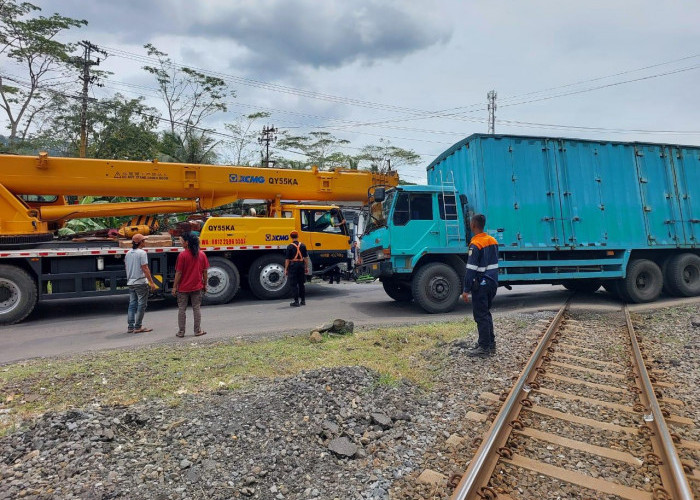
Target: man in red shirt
{"type": "Point", "coordinates": [190, 282]}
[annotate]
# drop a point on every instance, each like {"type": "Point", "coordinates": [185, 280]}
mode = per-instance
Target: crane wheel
{"type": "Point", "coordinates": [266, 277]}
{"type": "Point", "coordinates": [18, 294]}
{"type": "Point", "coordinates": [223, 281]}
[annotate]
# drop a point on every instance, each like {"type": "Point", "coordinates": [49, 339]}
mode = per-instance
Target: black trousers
{"type": "Point", "coordinates": [297, 278]}
{"type": "Point", "coordinates": [481, 309]}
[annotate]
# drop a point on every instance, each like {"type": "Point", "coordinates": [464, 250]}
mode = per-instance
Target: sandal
{"type": "Point", "coordinates": [143, 330]}
{"type": "Point", "coordinates": [130, 330]}
{"type": "Point", "coordinates": [180, 334]}
{"type": "Point", "coordinates": [199, 334]}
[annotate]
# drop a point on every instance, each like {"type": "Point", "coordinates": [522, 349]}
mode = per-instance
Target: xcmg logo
{"type": "Point", "coordinates": [276, 237]}
{"type": "Point", "coordinates": [248, 179]}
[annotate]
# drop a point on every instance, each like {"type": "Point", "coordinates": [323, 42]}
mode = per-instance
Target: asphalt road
{"type": "Point", "coordinates": [67, 327]}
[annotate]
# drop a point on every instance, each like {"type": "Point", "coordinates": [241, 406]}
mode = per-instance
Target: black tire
{"type": "Point", "coordinates": [266, 278]}
{"type": "Point", "coordinates": [583, 285]}
{"type": "Point", "coordinates": [643, 282]}
{"type": "Point", "coordinates": [18, 294]}
{"type": "Point", "coordinates": [613, 288]}
{"type": "Point", "coordinates": [682, 276]}
{"type": "Point", "coordinates": [400, 292]}
{"type": "Point", "coordinates": [223, 281]}
{"type": "Point", "coordinates": [436, 287]}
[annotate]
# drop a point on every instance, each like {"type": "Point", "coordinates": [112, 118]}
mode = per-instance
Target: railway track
{"type": "Point", "coordinates": [588, 417]}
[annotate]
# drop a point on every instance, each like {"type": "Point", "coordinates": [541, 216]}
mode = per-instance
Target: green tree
{"type": "Point", "coordinates": [318, 147]}
{"type": "Point", "coordinates": [118, 127]}
{"type": "Point", "coordinates": [196, 147]}
{"type": "Point", "coordinates": [243, 146]}
{"type": "Point", "coordinates": [189, 96]}
{"type": "Point", "coordinates": [31, 42]}
{"type": "Point", "coordinates": [384, 156]}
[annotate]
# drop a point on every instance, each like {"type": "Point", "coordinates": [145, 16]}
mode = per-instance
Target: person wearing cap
{"type": "Point", "coordinates": [139, 280]}
{"type": "Point", "coordinates": [296, 266]}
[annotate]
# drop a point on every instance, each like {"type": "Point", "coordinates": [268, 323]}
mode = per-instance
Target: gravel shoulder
{"type": "Point", "coordinates": [350, 426]}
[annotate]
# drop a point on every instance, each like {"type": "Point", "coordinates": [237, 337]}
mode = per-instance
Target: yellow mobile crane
{"type": "Point", "coordinates": [34, 266]}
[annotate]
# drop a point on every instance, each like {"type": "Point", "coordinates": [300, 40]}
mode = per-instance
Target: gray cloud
{"type": "Point", "coordinates": [325, 34]}
{"type": "Point", "coordinates": [274, 35]}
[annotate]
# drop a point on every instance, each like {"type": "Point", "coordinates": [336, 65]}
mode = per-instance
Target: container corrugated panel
{"type": "Point", "coordinates": [553, 193]}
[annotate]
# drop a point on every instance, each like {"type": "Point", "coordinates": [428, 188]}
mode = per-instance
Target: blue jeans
{"type": "Point", "coordinates": [138, 298]}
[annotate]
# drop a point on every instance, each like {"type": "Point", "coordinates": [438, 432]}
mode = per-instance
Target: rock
{"type": "Point", "coordinates": [185, 463]}
{"type": "Point", "coordinates": [695, 321]}
{"type": "Point", "coordinates": [315, 337]}
{"type": "Point", "coordinates": [331, 427]}
{"type": "Point", "coordinates": [454, 440]}
{"type": "Point", "coordinates": [431, 477]}
{"type": "Point", "coordinates": [381, 420]}
{"type": "Point", "coordinates": [248, 491]}
{"type": "Point", "coordinates": [343, 447]}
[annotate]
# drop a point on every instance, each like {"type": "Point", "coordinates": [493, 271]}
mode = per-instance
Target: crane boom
{"type": "Point", "coordinates": [210, 185]}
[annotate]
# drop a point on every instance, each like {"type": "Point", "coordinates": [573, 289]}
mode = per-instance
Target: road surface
{"type": "Point", "coordinates": [68, 327]}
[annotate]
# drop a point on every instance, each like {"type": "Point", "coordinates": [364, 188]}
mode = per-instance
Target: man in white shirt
{"type": "Point", "coordinates": [138, 280]}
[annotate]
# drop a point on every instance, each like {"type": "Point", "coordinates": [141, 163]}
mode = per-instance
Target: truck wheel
{"type": "Point", "coordinates": [436, 287]}
{"type": "Point", "coordinates": [266, 278]}
{"type": "Point", "coordinates": [18, 294]}
{"type": "Point", "coordinates": [223, 281]}
{"type": "Point", "coordinates": [613, 288]}
{"type": "Point", "coordinates": [643, 282]}
{"type": "Point", "coordinates": [583, 285]}
{"type": "Point", "coordinates": [398, 291]}
{"type": "Point", "coordinates": [682, 275]}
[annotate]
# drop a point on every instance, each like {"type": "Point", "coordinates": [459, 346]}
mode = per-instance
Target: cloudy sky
{"type": "Point", "coordinates": [371, 69]}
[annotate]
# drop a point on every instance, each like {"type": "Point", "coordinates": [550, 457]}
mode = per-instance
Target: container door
{"type": "Point", "coordinates": [659, 194]}
{"type": "Point", "coordinates": [531, 214]}
{"type": "Point", "coordinates": [687, 167]}
{"type": "Point", "coordinates": [580, 179]}
{"type": "Point", "coordinates": [555, 217]}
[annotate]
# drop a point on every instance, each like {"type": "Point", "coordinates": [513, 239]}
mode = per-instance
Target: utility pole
{"type": "Point", "coordinates": [266, 137]}
{"type": "Point", "coordinates": [492, 111]}
{"type": "Point", "coordinates": [86, 61]}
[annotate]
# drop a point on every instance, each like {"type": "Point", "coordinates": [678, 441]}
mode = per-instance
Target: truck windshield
{"type": "Point", "coordinates": [379, 212]}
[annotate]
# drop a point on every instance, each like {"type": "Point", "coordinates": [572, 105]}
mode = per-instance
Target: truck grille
{"type": "Point", "coordinates": [370, 256]}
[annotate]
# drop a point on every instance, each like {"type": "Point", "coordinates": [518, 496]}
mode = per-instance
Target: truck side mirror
{"type": "Point", "coordinates": [379, 194]}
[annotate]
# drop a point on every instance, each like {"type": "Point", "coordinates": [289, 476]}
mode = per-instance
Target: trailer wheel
{"type": "Point", "coordinates": [266, 278]}
{"type": "Point", "coordinates": [682, 275]}
{"type": "Point", "coordinates": [223, 281]}
{"type": "Point", "coordinates": [400, 292]}
{"type": "Point", "coordinates": [18, 294]}
{"type": "Point", "coordinates": [643, 282]}
{"type": "Point", "coordinates": [583, 285]}
{"type": "Point", "coordinates": [436, 287]}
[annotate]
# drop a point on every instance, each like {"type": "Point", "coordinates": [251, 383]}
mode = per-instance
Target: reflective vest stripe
{"type": "Point", "coordinates": [298, 257]}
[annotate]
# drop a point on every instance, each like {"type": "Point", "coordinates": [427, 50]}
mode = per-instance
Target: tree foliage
{"type": "Point", "coordinates": [319, 148]}
{"type": "Point", "coordinates": [242, 149]}
{"type": "Point", "coordinates": [195, 147]}
{"type": "Point", "coordinates": [118, 127]}
{"type": "Point", "coordinates": [31, 42]}
{"type": "Point", "coordinates": [189, 95]}
{"type": "Point", "coordinates": [384, 156]}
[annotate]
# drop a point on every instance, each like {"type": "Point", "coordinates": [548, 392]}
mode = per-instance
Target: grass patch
{"type": "Point", "coordinates": [168, 371]}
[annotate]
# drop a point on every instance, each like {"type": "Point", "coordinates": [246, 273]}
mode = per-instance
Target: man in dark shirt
{"type": "Point", "coordinates": [481, 279]}
{"type": "Point", "coordinates": [296, 265]}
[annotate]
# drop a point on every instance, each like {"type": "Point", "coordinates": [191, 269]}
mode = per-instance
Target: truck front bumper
{"type": "Point", "coordinates": [380, 269]}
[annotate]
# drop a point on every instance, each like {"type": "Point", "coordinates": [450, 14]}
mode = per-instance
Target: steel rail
{"type": "Point", "coordinates": [484, 462]}
{"type": "Point", "coordinates": [673, 476]}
